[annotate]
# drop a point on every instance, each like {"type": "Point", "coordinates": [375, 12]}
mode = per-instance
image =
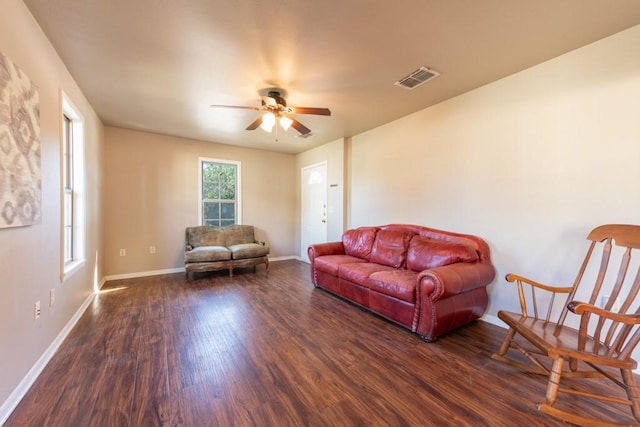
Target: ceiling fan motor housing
{"type": "Point", "coordinates": [275, 95]}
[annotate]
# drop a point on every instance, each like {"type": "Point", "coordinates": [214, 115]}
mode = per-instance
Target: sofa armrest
{"type": "Point", "coordinates": [188, 247]}
{"type": "Point", "coordinates": [453, 279]}
{"type": "Point", "coordinates": [329, 248]}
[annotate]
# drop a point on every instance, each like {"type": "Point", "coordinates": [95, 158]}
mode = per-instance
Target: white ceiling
{"type": "Point", "coordinates": [157, 65]}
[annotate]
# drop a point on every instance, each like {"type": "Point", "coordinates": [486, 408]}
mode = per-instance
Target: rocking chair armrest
{"type": "Point", "coordinates": [581, 308]}
{"type": "Point", "coordinates": [557, 289]}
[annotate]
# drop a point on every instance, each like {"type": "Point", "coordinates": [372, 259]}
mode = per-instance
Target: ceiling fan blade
{"type": "Point", "coordinates": [234, 106]}
{"type": "Point", "coordinates": [300, 127]}
{"type": "Point", "coordinates": [254, 125]}
{"type": "Point", "coordinates": [311, 110]}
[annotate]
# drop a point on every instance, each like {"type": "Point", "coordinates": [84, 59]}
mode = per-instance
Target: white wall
{"type": "Point", "coordinates": [531, 163]}
{"type": "Point", "coordinates": [30, 256]}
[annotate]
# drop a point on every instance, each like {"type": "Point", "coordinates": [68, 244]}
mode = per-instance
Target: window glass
{"type": "Point", "coordinates": [219, 189]}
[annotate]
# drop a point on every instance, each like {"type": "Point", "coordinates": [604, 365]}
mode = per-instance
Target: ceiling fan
{"type": "Point", "coordinates": [275, 110]}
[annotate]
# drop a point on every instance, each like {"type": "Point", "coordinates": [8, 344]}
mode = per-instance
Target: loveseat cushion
{"type": "Point", "coordinates": [359, 241]}
{"type": "Point", "coordinates": [205, 235]}
{"type": "Point", "coordinates": [425, 253]}
{"type": "Point", "coordinates": [207, 253]}
{"type": "Point", "coordinates": [238, 234]}
{"type": "Point", "coordinates": [390, 247]}
{"type": "Point", "coordinates": [359, 272]}
{"type": "Point", "coordinates": [397, 283]}
{"type": "Point", "coordinates": [248, 250]}
{"type": "Point", "coordinates": [330, 263]}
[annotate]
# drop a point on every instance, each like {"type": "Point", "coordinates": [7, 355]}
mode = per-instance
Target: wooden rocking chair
{"type": "Point", "coordinates": [597, 342]}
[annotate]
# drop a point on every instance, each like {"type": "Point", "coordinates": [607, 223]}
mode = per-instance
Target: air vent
{"type": "Point", "coordinates": [417, 78]}
{"type": "Point", "coordinates": [305, 135]}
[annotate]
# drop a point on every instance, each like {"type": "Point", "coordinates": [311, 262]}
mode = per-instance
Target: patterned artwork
{"type": "Point", "coordinates": [20, 174]}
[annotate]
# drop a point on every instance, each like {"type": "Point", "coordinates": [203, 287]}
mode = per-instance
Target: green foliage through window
{"type": "Point", "coordinates": [219, 193]}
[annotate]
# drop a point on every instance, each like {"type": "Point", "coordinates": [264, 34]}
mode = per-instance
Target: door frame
{"type": "Point", "coordinates": [302, 203]}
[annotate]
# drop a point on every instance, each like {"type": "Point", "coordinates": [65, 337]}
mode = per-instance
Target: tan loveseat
{"type": "Point", "coordinates": [216, 248]}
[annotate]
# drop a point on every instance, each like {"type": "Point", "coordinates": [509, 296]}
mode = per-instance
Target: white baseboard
{"type": "Point", "coordinates": [144, 274]}
{"type": "Point", "coordinates": [175, 270]}
{"type": "Point", "coordinates": [283, 258]}
{"type": "Point", "coordinates": [493, 320]}
{"type": "Point", "coordinates": [19, 392]}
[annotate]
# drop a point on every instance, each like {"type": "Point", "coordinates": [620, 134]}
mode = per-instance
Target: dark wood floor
{"type": "Point", "coordinates": [261, 350]}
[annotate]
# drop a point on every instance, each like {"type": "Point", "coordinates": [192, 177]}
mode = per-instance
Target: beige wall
{"type": "Point", "coordinates": [531, 162]}
{"type": "Point", "coordinates": [152, 195]}
{"type": "Point", "coordinates": [30, 256]}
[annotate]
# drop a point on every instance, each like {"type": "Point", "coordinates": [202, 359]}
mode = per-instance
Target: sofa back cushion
{"type": "Point", "coordinates": [204, 235]}
{"type": "Point", "coordinates": [359, 241]}
{"type": "Point", "coordinates": [238, 234]}
{"type": "Point", "coordinates": [425, 253]}
{"type": "Point", "coordinates": [390, 247]}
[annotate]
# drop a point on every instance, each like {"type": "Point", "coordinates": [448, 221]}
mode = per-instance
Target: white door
{"type": "Point", "coordinates": [314, 206]}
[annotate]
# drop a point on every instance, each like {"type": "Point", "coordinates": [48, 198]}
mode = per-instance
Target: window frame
{"type": "Point", "coordinates": [72, 189]}
{"type": "Point", "coordinates": [238, 198]}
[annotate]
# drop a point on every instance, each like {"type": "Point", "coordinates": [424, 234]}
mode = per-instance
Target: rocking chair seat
{"type": "Point", "coordinates": [561, 341]}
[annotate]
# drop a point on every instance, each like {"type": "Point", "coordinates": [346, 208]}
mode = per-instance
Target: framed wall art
{"type": "Point", "coordinates": [20, 162]}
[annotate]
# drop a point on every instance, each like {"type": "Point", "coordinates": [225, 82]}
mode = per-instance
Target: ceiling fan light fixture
{"type": "Point", "coordinates": [268, 121]}
{"type": "Point", "coordinates": [285, 122]}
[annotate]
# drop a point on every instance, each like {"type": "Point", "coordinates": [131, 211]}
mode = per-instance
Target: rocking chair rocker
{"type": "Point", "coordinates": [597, 342]}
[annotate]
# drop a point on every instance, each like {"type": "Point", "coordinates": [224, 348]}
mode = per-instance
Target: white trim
{"type": "Point", "coordinates": [283, 258]}
{"type": "Point", "coordinates": [174, 270]}
{"type": "Point", "coordinates": [493, 320]}
{"type": "Point", "coordinates": [302, 202]}
{"type": "Point", "coordinates": [144, 274]}
{"type": "Point", "coordinates": [79, 224]}
{"type": "Point", "coordinates": [21, 390]}
{"type": "Point", "coordinates": [238, 185]}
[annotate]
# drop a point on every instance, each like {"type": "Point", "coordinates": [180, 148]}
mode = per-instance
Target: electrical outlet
{"type": "Point", "coordinates": [36, 310]}
{"type": "Point", "coordinates": [123, 252]}
{"type": "Point", "coordinates": [52, 297]}
{"type": "Point", "coordinates": [152, 249]}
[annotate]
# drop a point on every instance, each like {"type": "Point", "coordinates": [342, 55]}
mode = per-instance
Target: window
{"type": "Point", "coordinates": [67, 188]}
{"type": "Point", "coordinates": [219, 193]}
{"type": "Point", "coordinates": [72, 197]}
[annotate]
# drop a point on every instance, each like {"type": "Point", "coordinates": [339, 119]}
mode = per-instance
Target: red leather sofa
{"type": "Point", "coordinates": [427, 280]}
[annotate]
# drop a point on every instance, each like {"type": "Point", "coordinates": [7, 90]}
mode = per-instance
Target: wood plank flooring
{"type": "Point", "coordinates": [270, 350]}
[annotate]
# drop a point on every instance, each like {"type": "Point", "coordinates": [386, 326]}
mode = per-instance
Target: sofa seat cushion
{"type": "Point", "coordinates": [207, 254]}
{"type": "Point", "coordinates": [358, 242]}
{"type": "Point", "coordinates": [330, 263]}
{"type": "Point", "coordinates": [390, 247]}
{"type": "Point", "coordinates": [248, 250]}
{"type": "Point", "coordinates": [399, 284]}
{"type": "Point", "coordinates": [359, 272]}
{"type": "Point", "coordinates": [425, 253]}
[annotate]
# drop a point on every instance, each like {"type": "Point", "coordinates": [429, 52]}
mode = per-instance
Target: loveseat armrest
{"type": "Point", "coordinates": [328, 248]}
{"type": "Point", "coordinates": [453, 279]}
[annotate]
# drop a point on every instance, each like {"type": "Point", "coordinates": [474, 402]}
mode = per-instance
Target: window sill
{"type": "Point", "coordinates": [71, 268]}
